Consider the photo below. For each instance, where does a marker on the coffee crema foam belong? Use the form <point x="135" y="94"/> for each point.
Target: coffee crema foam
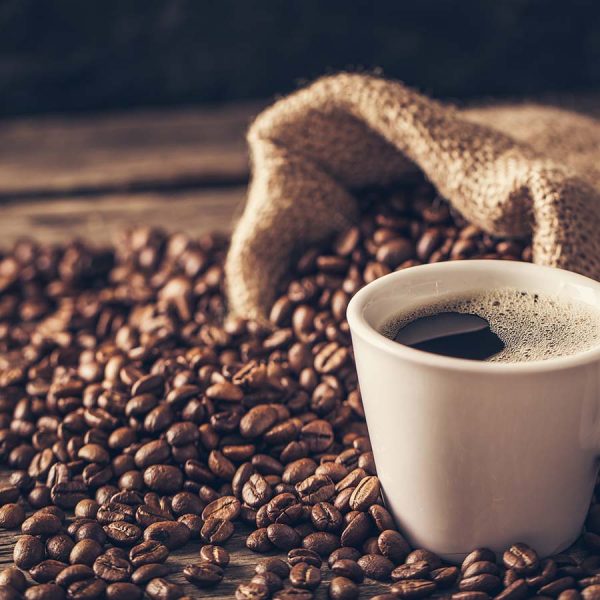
<point x="533" y="327"/>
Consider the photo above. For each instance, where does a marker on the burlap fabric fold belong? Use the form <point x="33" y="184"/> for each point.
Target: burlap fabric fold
<point x="514" y="170"/>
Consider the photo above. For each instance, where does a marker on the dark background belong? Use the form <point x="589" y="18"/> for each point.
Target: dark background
<point x="80" y="55"/>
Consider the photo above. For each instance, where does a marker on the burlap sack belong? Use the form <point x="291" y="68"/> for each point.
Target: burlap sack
<point x="512" y="170"/>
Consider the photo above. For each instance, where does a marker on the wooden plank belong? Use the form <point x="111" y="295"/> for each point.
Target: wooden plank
<point x="98" y="219"/>
<point x="124" y="150"/>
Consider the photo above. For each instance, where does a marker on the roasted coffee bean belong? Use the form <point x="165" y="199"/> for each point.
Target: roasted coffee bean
<point x="305" y="576"/>
<point x="74" y="573"/>
<point x="298" y="555"/>
<point x="150" y="551"/>
<point x="344" y="553"/>
<point x="252" y="591"/>
<point x="393" y="546"/>
<point x="478" y="555"/>
<point x="283" y="536"/>
<point x="413" y="588"/>
<point x="341" y="588"/>
<point x="111" y="568"/>
<point x="517" y="590"/>
<point x="161" y="589"/>
<point x="9" y="593"/>
<point x="11" y="516"/>
<point x="545" y="574"/>
<point x="14" y="578"/>
<point x="85" y="552"/>
<point x="470" y="596"/>
<point x="41" y="524"/>
<point x="46" y="571"/>
<point x="45" y="591"/>
<point x="215" y="554"/>
<point x="271" y="581"/>
<point x="203" y="574"/>
<point x="483" y="567"/>
<point x="480" y="583"/>
<point x="256" y="491"/>
<point x="216" y="531"/>
<point x="326" y="517"/>
<point x="59" y="547"/>
<point x="274" y="565"/>
<point x="163" y="479"/>
<point x="347" y="568"/>
<point x="321" y="542"/>
<point x="357" y="530"/>
<point x="445" y="577"/>
<point x="521" y="558"/>
<point x="316" y="488"/>
<point x="365" y="494"/>
<point x="258" y="541"/>
<point x="226" y="507"/>
<point x="123" y="591"/>
<point x="123" y="533"/>
<point x="376" y="566"/>
<point x="433" y="560"/>
<point x="591" y="593"/>
<point x="145" y="573"/>
<point x="171" y="534"/>
<point x="28" y="551"/>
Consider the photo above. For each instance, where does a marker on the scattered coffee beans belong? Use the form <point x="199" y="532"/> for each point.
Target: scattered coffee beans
<point x="128" y="399"/>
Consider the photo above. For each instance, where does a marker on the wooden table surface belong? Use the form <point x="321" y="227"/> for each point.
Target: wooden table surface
<point x="92" y="176"/>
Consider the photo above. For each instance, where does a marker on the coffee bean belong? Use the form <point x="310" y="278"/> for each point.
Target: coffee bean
<point x="591" y="593"/>
<point x="298" y="555"/>
<point x="347" y="568"/>
<point x="521" y="558"/>
<point x="226" y="507"/>
<point x="11" y="516"/>
<point x="46" y="571"/>
<point x="317" y="435"/>
<point x="258" y="541"/>
<point x="283" y="536"/>
<point x="433" y="560"/>
<point x="555" y="588"/>
<point x="478" y="555"/>
<point x="252" y="591"/>
<point x="161" y="589"/>
<point x="293" y="594"/>
<point x="41" y="524"/>
<point x="123" y="591"/>
<point x="163" y="479"/>
<point x="365" y="494"/>
<point x="257" y="421"/>
<point x="357" y="531"/>
<point x="413" y="588"/>
<point x="517" y="590"/>
<point x="303" y="575"/>
<point x="256" y="491"/>
<point x="45" y="591"/>
<point x="376" y="566"/>
<point x="171" y="534"/>
<point x="28" y="551"/>
<point x="14" y="578"/>
<point x="274" y="565"/>
<point x="74" y="573"/>
<point x="203" y="574"/>
<point x="316" y="488"/>
<point x="270" y="580"/>
<point x="321" y="542"/>
<point x="344" y="553"/>
<point x="59" y="547"/>
<point x="393" y="546"/>
<point x="123" y="533"/>
<point x="325" y="517"/>
<point x="480" y="583"/>
<point x="111" y="568"/>
<point x="342" y="588"/>
<point x="216" y="531"/>
<point x="145" y="573"/>
<point x="215" y="554"/>
<point x="85" y="552"/>
<point x="470" y="596"/>
<point x="149" y="551"/>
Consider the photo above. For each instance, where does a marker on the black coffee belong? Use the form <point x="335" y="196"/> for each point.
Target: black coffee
<point x="460" y="335"/>
<point x="502" y="325"/>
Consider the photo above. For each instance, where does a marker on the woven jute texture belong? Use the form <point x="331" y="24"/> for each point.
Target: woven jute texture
<point x="518" y="170"/>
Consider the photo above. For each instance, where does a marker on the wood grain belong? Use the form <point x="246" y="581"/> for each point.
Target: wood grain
<point x="53" y="155"/>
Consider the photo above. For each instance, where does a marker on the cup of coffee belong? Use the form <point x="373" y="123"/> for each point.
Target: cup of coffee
<point x="481" y="387"/>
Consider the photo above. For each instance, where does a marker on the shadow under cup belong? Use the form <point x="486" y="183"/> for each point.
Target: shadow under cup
<point x="478" y="454"/>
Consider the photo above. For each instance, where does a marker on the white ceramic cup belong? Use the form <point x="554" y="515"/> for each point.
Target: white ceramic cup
<point x="478" y="454"/>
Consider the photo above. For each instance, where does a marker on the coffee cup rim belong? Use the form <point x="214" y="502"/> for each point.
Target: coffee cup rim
<point x="359" y="326"/>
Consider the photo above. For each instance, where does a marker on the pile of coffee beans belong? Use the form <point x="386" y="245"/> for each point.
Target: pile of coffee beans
<point x="136" y="418"/>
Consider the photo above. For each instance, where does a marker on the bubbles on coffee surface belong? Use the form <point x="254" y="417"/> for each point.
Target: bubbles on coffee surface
<point x="501" y="325"/>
